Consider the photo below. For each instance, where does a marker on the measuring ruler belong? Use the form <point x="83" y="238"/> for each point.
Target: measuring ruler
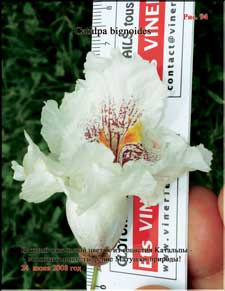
<point x="170" y="46"/>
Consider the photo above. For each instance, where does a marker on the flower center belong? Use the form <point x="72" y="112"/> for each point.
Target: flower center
<point x="131" y="136"/>
<point x="119" y="129"/>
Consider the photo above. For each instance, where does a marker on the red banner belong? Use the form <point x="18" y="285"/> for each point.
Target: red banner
<point x="152" y="17"/>
<point x="145" y="235"/>
<point x="146" y="219"/>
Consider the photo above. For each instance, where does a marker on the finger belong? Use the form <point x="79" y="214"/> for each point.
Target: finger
<point x="221" y="203"/>
<point x="205" y="241"/>
<point x="205" y="234"/>
<point x="214" y="281"/>
<point x="152" y="287"/>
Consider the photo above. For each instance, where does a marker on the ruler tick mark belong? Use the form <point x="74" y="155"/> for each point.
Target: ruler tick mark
<point x="107" y="8"/>
<point x="99" y="26"/>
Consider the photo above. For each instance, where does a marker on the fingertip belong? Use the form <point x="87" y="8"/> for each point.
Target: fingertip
<point x="199" y="190"/>
<point x="221" y="204"/>
<point x="205" y="233"/>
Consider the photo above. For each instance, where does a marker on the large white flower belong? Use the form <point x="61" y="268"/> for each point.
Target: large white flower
<point x="106" y="143"/>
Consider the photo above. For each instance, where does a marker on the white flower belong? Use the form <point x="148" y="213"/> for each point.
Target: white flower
<point x="106" y="143"/>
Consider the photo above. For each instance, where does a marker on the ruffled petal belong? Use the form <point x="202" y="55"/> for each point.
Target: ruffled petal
<point x="95" y="63"/>
<point x="61" y="125"/>
<point x="198" y="158"/>
<point x="115" y="80"/>
<point x="39" y="179"/>
<point x="32" y="156"/>
<point x="40" y="184"/>
<point x="52" y="126"/>
<point x="120" y="79"/>
<point x="176" y="156"/>
<point x="136" y="179"/>
<point x="19" y="174"/>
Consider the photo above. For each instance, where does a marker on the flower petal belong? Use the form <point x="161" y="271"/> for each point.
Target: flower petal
<point x="91" y="174"/>
<point x="176" y="156"/>
<point x="39" y="179"/>
<point x="120" y="79"/>
<point x="19" y="174"/>
<point x="95" y="63"/>
<point x="114" y="79"/>
<point x="101" y="225"/>
<point x="40" y="184"/>
<point x="136" y="179"/>
<point x="198" y="158"/>
<point x="33" y="154"/>
<point x="52" y="126"/>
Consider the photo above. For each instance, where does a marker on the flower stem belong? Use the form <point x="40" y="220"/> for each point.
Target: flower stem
<point x="94" y="278"/>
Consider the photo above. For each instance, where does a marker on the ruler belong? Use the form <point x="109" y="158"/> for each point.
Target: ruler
<point x="170" y="46"/>
<point x="101" y="21"/>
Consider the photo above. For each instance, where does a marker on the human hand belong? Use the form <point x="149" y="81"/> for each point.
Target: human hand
<point x="205" y="240"/>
